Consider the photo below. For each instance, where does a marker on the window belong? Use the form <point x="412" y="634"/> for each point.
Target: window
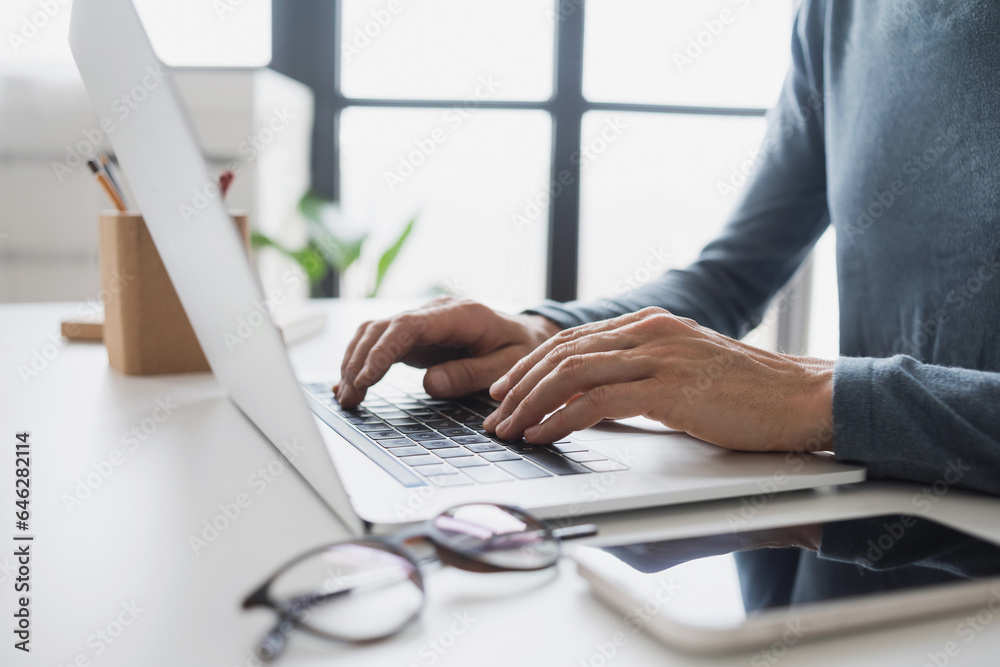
<point x="547" y="153"/>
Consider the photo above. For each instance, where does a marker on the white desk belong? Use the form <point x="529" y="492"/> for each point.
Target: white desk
<point x="129" y="541"/>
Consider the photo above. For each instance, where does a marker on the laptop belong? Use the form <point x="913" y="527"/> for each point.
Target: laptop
<point x="402" y="456"/>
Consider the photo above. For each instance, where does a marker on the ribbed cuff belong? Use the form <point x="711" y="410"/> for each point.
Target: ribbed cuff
<point x="853" y="416"/>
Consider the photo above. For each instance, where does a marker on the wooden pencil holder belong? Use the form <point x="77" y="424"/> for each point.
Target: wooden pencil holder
<point x="146" y="330"/>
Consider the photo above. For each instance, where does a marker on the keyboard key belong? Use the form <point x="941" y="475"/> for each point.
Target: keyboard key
<point x="319" y="387"/>
<point x="389" y="414"/>
<point x="487" y="475"/>
<point x="456" y="431"/>
<point x="484" y="447"/>
<point x="383" y="435"/>
<point x="370" y="419"/>
<point x="426" y="435"/>
<point x="456" y="479"/>
<point x="437" y="469"/>
<point x="438" y="444"/>
<point x="475" y="425"/>
<point x="423" y="460"/>
<point x="403" y="421"/>
<point x="567" y="447"/>
<point x="438" y="424"/>
<point x="586" y="456"/>
<point x="556" y="463"/>
<point x="422" y="414"/>
<point x="467" y="461"/>
<point x="521" y="469"/>
<point x="472" y="440"/>
<point x="457" y="414"/>
<point x="477" y="405"/>
<point x="451" y="452"/>
<point x="395" y="442"/>
<point x="605" y="466"/>
<point x="414" y="450"/>
<point x="413" y="428"/>
<point x="500" y="456"/>
<point x="378" y="426"/>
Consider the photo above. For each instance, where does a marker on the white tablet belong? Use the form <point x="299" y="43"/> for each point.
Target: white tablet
<point x="772" y="589"/>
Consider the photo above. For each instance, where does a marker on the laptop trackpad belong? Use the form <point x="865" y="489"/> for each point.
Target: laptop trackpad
<point x="623" y="428"/>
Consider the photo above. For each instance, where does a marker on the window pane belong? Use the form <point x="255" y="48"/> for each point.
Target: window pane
<point x="439" y="49"/>
<point x="651" y="197"/>
<point x="730" y="53"/>
<point x="824" y="314"/>
<point x="465" y="173"/>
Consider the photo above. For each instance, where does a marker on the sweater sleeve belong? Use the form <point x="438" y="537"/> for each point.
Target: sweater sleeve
<point x="777" y="219"/>
<point x="919" y="422"/>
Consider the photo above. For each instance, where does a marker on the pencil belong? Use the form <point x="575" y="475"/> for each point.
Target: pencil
<point x="109" y="169"/>
<point x="106" y="184"/>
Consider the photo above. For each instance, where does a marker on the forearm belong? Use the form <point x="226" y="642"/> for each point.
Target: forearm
<point x="919" y="422"/>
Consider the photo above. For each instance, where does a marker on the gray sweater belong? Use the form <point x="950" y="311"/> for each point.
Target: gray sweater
<point x="888" y="127"/>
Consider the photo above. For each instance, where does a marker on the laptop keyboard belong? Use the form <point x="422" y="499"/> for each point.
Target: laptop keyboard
<point x="444" y="443"/>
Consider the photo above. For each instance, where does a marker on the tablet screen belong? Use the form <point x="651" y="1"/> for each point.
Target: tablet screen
<point x="719" y="581"/>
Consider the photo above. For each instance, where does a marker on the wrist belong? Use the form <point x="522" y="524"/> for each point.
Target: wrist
<point x="541" y="327"/>
<point x="817" y="408"/>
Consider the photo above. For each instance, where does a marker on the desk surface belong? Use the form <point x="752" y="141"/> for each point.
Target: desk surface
<point x="116" y="580"/>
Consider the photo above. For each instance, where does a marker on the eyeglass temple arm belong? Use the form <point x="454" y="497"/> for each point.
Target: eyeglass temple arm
<point x="575" y="532"/>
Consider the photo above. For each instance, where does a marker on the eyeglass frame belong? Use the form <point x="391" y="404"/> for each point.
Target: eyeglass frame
<point x="396" y="544"/>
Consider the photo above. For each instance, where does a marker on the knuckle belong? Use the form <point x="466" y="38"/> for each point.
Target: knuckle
<point x="572" y="365"/>
<point x="598" y="395"/>
<point x="563" y="350"/>
<point x="652" y="311"/>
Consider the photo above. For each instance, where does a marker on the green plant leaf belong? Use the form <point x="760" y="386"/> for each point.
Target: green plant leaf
<point x="308" y="258"/>
<point x="389" y="256"/>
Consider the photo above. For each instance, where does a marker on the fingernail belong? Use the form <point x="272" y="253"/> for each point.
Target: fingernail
<point x="439" y="382"/>
<point x="498" y="387"/>
<point x="533" y="431"/>
<point x="490" y="420"/>
<point x="504" y="424"/>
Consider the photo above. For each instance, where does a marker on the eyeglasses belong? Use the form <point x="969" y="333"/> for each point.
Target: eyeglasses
<point x="369" y="589"/>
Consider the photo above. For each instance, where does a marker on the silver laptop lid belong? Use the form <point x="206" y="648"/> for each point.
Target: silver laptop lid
<point x="140" y="112"/>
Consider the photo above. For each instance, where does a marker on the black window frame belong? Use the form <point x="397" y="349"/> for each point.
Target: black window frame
<point x="306" y="46"/>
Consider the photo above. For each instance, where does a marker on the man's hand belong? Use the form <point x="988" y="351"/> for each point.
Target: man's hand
<point x="671" y="370"/>
<point x="465" y="345"/>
